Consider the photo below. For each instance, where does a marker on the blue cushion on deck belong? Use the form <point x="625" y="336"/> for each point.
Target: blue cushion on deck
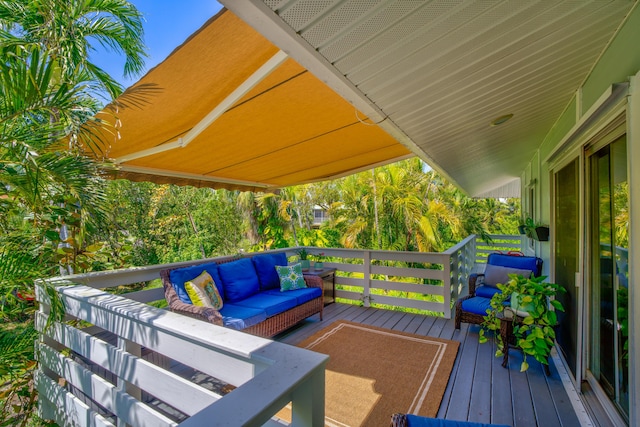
<point x="270" y="304"/>
<point x="417" y="421"/>
<point x="265" y="265"/>
<point x="477" y="305"/>
<point x="238" y="317"/>
<point x="487" y="291"/>
<point x="181" y="275"/>
<point x="301" y="295"/>
<point x="239" y="279"/>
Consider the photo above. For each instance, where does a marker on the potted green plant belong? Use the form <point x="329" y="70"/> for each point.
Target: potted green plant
<point x="534" y="230"/>
<point x="532" y="311"/>
<point x="304" y="259"/>
<point x="319" y="265"/>
<point x="525" y="226"/>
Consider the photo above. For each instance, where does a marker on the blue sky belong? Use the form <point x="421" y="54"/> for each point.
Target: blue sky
<point x="167" y="23"/>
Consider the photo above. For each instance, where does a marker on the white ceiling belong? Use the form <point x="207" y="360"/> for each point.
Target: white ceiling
<point x="438" y="72"/>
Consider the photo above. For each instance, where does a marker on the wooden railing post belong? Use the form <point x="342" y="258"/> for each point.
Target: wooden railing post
<point x="366" y="289"/>
<point x="447" y="286"/>
<point x="454" y="287"/>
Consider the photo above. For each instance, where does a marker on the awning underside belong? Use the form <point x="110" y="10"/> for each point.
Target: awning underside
<point x="232" y="111"/>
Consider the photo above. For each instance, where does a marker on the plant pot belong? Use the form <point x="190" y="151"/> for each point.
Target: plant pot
<point x="521" y="229"/>
<point x="542" y="234"/>
<point x="319" y="265"/>
<point x="305" y="264"/>
<point x="518" y="307"/>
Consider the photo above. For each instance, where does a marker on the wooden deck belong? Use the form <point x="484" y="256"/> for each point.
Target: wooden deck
<point x="479" y="388"/>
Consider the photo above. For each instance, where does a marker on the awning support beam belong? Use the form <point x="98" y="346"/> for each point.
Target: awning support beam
<point x="260" y="74"/>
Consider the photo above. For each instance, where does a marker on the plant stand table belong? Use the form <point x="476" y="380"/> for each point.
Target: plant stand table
<point x="508" y="339"/>
<point x="328" y="276"/>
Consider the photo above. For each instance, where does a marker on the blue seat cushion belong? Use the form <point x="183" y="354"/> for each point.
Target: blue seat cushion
<point x="181" y="275"/>
<point x="239" y="279"/>
<point x="265" y="265"/>
<point x="239" y="317"/>
<point x="417" y="421"/>
<point x="301" y="295"/>
<point x="487" y="291"/>
<point x="477" y="305"/>
<point x="270" y="304"/>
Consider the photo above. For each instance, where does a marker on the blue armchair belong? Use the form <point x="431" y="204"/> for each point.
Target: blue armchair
<point x="473" y="308"/>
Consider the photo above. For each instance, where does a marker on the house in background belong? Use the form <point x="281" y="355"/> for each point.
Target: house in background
<point x="537" y="99"/>
<point x="320" y="216"/>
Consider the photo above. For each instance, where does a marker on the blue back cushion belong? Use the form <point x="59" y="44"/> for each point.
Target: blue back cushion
<point x="521" y="262"/>
<point x="181" y="275"/>
<point x="265" y="265"/>
<point x="487" y="291"/>
<point x="239" y="279"/>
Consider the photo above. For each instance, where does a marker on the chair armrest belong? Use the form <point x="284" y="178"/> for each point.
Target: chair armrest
<point x="207" y="314"/>
<point x="475" y="280"/>
<point x="313" y="281"/>
<point x="399" y="420"/>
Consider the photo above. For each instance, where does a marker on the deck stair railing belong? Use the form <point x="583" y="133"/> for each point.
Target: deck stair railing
<point x="116" y="360"/>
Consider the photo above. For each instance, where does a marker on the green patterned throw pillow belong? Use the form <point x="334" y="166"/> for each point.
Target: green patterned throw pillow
<point x="203" y="291"/>
<point x="290" y="277"/>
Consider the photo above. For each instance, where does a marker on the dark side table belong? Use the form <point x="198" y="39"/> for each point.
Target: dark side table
<point x="328" y="276"/>
<point x="506" y="333"/>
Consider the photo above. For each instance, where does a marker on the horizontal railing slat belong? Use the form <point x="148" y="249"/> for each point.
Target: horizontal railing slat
<point x="64" y="407"/>
<point x="166" y="332"/>
<point x="153" y="379"/>
<point x="408" y="287"/>
<point x="420" y="273"/>
<point x="409" y="303"/>
<point x="124" y="406"/>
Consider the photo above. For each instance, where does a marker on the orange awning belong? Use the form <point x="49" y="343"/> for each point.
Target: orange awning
<point x="233" y="111"/>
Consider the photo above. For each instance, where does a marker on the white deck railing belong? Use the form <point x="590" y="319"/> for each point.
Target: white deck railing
<point x="428" y="281"/>
<point x="114" y="364"/>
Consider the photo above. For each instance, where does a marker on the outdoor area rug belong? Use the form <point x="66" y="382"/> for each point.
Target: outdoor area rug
<point x="373" y="373"/>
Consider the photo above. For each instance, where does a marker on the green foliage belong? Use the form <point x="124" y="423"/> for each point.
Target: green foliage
<point x="17" y="395"/>
<point x="534" y="334"/>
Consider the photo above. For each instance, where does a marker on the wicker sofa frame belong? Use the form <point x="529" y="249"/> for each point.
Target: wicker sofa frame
<point x="268" y="328"/>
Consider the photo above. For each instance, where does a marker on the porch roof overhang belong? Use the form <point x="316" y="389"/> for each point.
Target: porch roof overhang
<point x="363" y="84"/>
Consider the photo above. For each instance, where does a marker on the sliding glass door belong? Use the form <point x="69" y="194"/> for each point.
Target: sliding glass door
<point x="566" y="218"/>
<point x="608" y="280"/>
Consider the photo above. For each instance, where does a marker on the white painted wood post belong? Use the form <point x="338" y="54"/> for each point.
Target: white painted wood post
<point x="454" y="263"/>
<point x="307" y="405"/>
<point x="366" y="282"/>
<point x="447" y="282"/>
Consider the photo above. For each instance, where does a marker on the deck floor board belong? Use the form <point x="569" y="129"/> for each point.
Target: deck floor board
<point x="479" y="389"/>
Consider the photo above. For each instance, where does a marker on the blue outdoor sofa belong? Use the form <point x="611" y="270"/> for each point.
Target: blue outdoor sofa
<point x="250" y="291"/>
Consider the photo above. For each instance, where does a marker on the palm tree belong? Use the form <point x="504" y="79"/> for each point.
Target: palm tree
<point x="66" y="29"/>
<point x="47" y="182"/>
